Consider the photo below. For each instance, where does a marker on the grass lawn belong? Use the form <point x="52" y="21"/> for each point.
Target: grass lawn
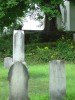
<point x="38" y="82"/>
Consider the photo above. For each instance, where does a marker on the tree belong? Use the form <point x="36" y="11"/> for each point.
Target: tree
<point x="10" y="10"/>
<point x="51" y="10"/>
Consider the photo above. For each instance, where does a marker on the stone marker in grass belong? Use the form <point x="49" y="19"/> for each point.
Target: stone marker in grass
<point x="18" y="82"/>
<point x="18" y="72"/>
<point x="8" y="62"/>
<point x="57" y="80"/>
<point x="18" y="49"/>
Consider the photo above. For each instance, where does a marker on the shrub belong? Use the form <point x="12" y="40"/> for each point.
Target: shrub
<point x="62" y="49"/>
<point x="5" y="46"/>
<point x="65" y="49"/>
<point x="44" y="53"/>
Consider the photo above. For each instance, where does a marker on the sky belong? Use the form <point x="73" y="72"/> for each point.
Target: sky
<point x="31" y="24"/>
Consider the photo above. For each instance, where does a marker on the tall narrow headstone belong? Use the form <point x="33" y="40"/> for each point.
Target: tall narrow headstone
<point x="57" y="81"/>
<point x="18" y="46"/>
<point x="18" y="73"/>
<point x="18" y="49"/>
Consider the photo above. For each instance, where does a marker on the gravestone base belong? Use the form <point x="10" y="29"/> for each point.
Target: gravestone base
<point x="18" y="82"/>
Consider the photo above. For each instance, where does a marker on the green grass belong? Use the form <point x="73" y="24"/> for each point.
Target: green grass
<point x="70" y="75"/>
<point x="3" y="83"/>
<point x="39" y="82"/>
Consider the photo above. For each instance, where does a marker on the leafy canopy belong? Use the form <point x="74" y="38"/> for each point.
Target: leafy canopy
<point x="10" y="10"/>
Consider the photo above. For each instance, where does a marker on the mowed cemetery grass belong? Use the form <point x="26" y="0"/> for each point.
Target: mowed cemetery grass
<point x="39" y="81"/>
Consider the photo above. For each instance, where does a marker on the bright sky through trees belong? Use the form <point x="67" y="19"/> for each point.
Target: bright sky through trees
<point x="31" y="24"/>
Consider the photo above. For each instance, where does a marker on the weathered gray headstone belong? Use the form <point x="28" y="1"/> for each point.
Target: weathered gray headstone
<point x="8" y="62"/>
<point x="18" y="46"/>
<point x="18" y="72"/>
<point x="18" y="49"/>
<point x="18" y="82"/>
<point x="57" y="81"/>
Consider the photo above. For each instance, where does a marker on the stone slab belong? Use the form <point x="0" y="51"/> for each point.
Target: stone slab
<point x="8" y="62"/>
<point x="57" y="80"/>
<point x="18" y="46"/>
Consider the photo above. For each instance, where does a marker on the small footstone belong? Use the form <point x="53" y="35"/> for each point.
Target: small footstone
<point x="8" y="62"/>
<point x="57" y="80"/>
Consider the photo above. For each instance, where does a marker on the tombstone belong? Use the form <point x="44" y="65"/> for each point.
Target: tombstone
<point x="18" y="72"/>
<point x="66" y="21"/>
<point x="57" y="80"/>
<point x="18" y="82"/>
<point x="8" y="62"/>
<point x="18" y="49"/>
<point x="18" y="46"/>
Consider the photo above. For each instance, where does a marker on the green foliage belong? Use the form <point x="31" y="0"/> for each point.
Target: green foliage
<point x="10" y="10"/>
<point x="66" y="49"/>
<point x="63" y="49"/>
<point x="5" y="46"/>
<point x="50" y="7"/>
<point x="41" y="52"/>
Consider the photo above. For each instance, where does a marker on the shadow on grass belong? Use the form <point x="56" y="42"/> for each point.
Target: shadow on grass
<point x="41" y="75"/>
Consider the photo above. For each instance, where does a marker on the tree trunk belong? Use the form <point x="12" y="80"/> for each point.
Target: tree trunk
<point x="50" y="25"/>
